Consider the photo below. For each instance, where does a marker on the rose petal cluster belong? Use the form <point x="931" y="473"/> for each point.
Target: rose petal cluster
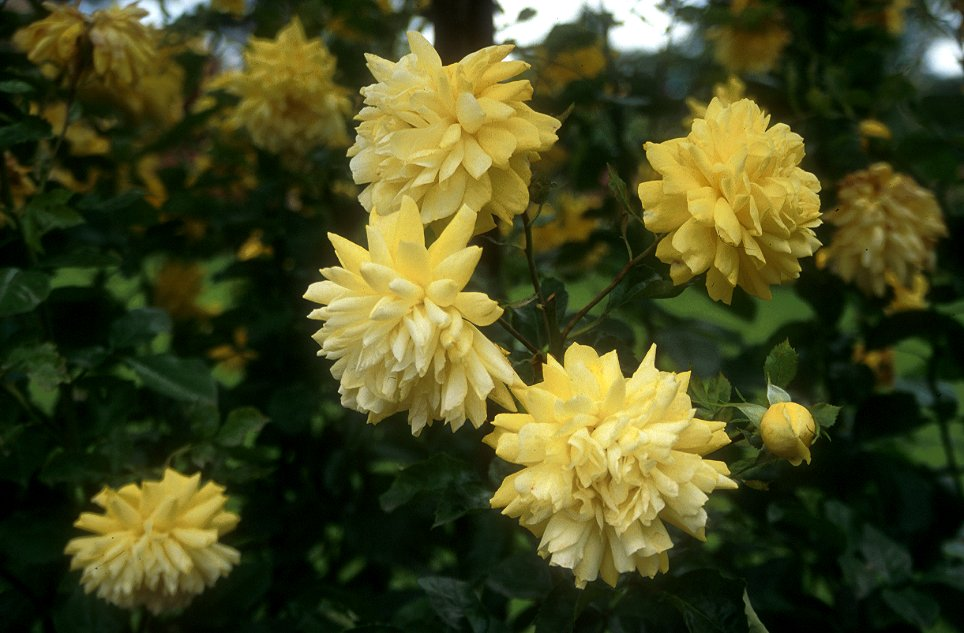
<point x="121" y="48"/>
<point x="886" y="224"/>
<point x="289" y="102"/>
<point x="448" y="136"/>
<point x="401" y="329"/>
<point x="733" y="201"/>
<point x="608" y="462"/>
<point x="156" y="544"/>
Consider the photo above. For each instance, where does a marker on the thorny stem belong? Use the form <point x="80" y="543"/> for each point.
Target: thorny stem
<point x="553" y="336"/>
<point x="609" y="288"/>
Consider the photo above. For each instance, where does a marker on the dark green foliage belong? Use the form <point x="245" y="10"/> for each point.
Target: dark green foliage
<point x="155" y="318"/>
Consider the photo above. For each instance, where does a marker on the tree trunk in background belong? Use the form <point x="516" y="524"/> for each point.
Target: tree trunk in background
<point x="462" y="26"/>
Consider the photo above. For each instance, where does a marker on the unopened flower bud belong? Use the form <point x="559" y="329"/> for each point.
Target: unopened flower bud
<point x="788" y="430"/>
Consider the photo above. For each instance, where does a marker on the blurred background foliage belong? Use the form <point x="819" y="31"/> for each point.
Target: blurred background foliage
<point x="152" y="265"/>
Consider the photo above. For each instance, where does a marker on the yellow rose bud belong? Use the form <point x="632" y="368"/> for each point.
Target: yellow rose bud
<point x="788" y="430"/>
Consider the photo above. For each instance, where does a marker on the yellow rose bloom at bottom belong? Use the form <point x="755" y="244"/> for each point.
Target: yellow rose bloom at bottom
<point x="607" y="462"/>
<point x="156" y="545"/>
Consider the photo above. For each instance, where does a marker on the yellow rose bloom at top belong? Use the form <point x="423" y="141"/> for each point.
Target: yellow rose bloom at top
<point x="733" y="202"/>
<point x="750" y="45"/>
<point x="289" y="101"/>
<point x="402" y="331"/>
<point x="122" y="48"/>
<point x="607" y="462"/>
<point x="54" y="42"/>
<point x="156" y="545"/>
<point x="886" y="223"/>
<point x="448" y="136"/>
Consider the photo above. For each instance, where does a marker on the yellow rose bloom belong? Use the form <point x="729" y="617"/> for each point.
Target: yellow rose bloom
<point x="53" y="43"/>
<point x="156" y="545"/>
<point x="448" y="136"/>
<point x="733" y="202"/>
<point x="289" y="103"/>
<point x="788" y="430"/>
<point x="122" y="48"/>
<point x="402" y="331"/>
<point x="755" y="47"/>
<point x="886" y="223"/>
<point x="607" y="462"/>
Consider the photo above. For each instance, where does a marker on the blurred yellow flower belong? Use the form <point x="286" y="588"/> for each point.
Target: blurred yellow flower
<point x="564" y="221"/>
<point x="232" y="358"/>
<point x="159" y="96"/>
<point x="177" y="289"/>
<point x="607" y="462"/>
<point x="885" y="14"/>
<point x="907" y="298"/>
<point x="22" y="186"/>
<point x="448" y="136"/>
<point x="156" y="545"/>
<point x="254" y="247"/>
<point x="82" y="138"/>
<point x="879" y="361"/>
<point x="872" y="128"/>
<point x="728" y="93"/>
<point x="556" y="71"/>
<point x="788" y="430"/>
<point x="289" y="101"/>
<point x="754" y="39"/>
<point x="54" y="42"/>
<point x="121" y="47"/>
<point x="234" y="7"/>
<point x="886" y="223"/>
<point x="733" y="202"/>
<point x="402" y="331"/>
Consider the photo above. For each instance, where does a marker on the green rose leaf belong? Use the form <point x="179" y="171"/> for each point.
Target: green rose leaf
<point x="781" y="364"/>
<point x="46" y="212"/>
<point x="241" y="427"/>
<point x="27" y="130"/>
<point x="21" y="290"/>
<point x="188" y="380"/>
<point x="709" y="603"/>
<point x="453" y="601"/>
<point x="139" y="326"/>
